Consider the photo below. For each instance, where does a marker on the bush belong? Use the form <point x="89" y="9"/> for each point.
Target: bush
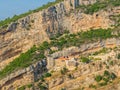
<point x="104" y="50"/>
<point x="85" y="60"/>
<point x="32" y="21"/>
<point x="66" y="31"/>
<point x="107" y="66"/>
<point x="29" y="85"/>
<point x="42" y="87"/>
<point x="103" y="83"/>
<point x="113" y="76"/>
<point x="98" y="78"/>
<point x="92" y="86"/>
<point x="70" y="76"/>
<point x="118" y="56"/>
<point x="106" y="73"/>
<point x="111" y="63"/>
<point x="42" y="78"/>
<point x="64" y="71"/>
<point x="106" y="79"/>
<point x="21" y="88"/>
<point x="47" y="75"/>
<point x="63" y="89"/>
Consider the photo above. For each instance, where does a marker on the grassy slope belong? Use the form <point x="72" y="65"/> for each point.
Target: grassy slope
<point x="90" y="9"/>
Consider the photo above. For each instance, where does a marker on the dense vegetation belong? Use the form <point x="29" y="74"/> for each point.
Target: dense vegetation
<point x="106" y="78"/>
<point x="82" y="37"/>
<point x="7" y="21"/>
<point x="85" y="60"/>
<point x="118" y="56"/>
<point x="67" y="40"/>
<point x="104" y="50"/>
<point x="103" y="80"/>
<point x="99" y="5"/>
<point x="25" y="86"/>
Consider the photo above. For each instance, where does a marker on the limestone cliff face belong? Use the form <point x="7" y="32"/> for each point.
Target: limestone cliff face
<point x="24" y="76"/>
<point x="40" y="26"/>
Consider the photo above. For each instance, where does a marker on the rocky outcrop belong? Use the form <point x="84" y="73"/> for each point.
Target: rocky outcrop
<point x="84" y="76"/>
<point x="27" y="75"/>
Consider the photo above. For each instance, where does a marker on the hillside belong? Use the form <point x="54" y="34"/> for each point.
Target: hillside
<point x="63" y="45"/>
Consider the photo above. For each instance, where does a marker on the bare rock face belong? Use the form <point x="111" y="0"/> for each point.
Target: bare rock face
<point x="24" y="76"/>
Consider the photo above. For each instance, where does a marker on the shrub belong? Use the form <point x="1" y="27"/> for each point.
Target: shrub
<point x="111" y="62"/>
<point x="63" y="89"/>
<point x="29" y="85"/>
<point x="21" y="88"/>
<point x="66" y="32"/>
<point x="70" y="76"/>
<point x="104" y="50"/>
<point x="42" y="78"/>
<point x="107" y="66"/>
<point x="92" y="86"/>
<point x="64" y="70"/>
<point x="42" y="87"/>
<point x="106" y="73"/>
<point x="85" y="60"/>
<point x="103" y="83"/>
<point x="113" y="76"/>
<point x="106" y="79"/>
<point x="32" y="21"/>
<point x="118" y="56"/>
<point x="47" y="75"/>
<point x="98" y="78"/>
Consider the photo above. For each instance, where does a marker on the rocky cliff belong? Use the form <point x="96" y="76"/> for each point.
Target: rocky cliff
<point x="24" y="76"/>
<point x="40" y="26"/>
<point x="35" y="71"/>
